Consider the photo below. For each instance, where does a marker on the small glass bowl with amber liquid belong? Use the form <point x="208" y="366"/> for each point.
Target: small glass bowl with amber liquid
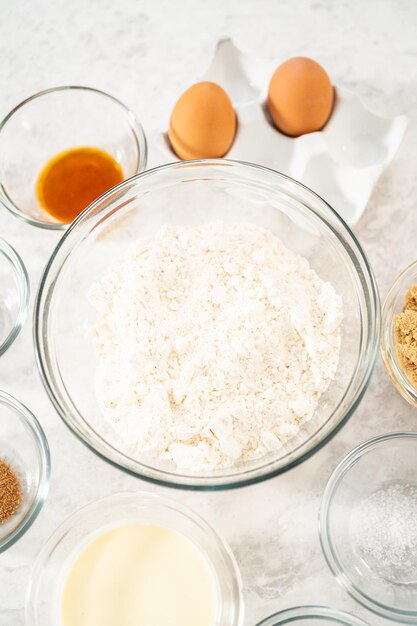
<point x="63" y="148"/>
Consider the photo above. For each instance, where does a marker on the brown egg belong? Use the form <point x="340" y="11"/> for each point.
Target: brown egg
<point x="203" y="122"/>
<point x="300" y="96"/>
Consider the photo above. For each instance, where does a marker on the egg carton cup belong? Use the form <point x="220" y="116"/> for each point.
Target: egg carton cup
<point x="341" y="163"/>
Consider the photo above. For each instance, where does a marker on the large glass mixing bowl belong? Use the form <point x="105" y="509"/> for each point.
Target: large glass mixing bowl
<point x="192" y="193"/>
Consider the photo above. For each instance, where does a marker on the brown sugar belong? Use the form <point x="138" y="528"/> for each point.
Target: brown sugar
<point x="411" y="299"/>
<point x="405" y="326"/>
<point x="10" y="491"/>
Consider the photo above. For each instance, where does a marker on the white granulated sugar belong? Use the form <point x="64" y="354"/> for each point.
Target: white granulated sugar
<point x="384" y="530"/>
<point x="215" y="344"/>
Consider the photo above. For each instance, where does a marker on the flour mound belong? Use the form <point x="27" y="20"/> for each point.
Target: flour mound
<point x="214" y="343"/>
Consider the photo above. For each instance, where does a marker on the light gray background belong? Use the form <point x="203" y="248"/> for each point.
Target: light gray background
<point x="146" y="53"/>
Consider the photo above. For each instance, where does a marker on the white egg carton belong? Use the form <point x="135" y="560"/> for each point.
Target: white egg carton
<point x="341" y="163"/>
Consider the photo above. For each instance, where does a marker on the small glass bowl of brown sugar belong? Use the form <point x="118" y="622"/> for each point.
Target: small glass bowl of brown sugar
<point x="399" y="333"/>
<point x="62" y="148"/>
<point x="24" y="469"/>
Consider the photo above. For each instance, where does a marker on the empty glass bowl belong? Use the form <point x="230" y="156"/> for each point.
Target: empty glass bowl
<point x="312" y="616"/>
<point x="393" y="305"/>
<point x="48" y="575"/>
<point x="24" y="446"/>
<point x="368" y="525"/>
<point x="55" y="120"/>
<point x="14" y="295"/>
<point x="193" y="193"/>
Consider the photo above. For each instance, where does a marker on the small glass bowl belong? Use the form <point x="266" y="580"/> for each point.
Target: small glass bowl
<point x="14" y="295"/>
<point x="23" y="444"/>
<point x="312" y="616"/>
<point x="48" y="575"/>
<point x="357" y="544"/>
<point x="54" y="120"/>
<point x="393" y="305"/>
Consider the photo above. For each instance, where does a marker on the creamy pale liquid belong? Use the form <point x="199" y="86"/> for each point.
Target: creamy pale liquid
<point x="139" y="575"/>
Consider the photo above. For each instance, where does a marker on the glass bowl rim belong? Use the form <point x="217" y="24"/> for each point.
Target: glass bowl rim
<point x="41" y="442"/>
<point x="388" y="352"/>
<point x="337" y="569"/>
<point x="152" y="499"/>
<point x="293" y="614"/>
<point x="135" y="126"/>
<point x="194" y="483"/>
<point x="19" y="269"/>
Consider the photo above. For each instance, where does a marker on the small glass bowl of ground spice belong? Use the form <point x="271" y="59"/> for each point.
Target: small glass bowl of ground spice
<point x="24" y="469"/>
<point x="399" y="333"/>
<point x="62" y="148"/>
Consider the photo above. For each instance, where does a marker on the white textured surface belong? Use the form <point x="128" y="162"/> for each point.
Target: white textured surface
<point x="146" y="53"/>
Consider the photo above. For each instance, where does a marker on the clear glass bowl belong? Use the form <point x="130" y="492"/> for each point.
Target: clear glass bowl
<point x="48" y="575"/>
<point x="192" y="193"/>
<point x="357" y="542"/>
<point x="312" y="616"/>
<point x="393" y="305"/>
<point x="55" y="120"/>
<point x="14" y="295"/>
<point x="23" y="444"/>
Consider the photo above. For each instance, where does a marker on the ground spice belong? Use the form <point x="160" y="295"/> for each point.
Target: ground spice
<point x="405" y="325"/>
<point x="10" y="491"/>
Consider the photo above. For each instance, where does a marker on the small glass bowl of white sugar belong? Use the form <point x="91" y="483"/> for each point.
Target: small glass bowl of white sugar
<point x="368" y="525"/>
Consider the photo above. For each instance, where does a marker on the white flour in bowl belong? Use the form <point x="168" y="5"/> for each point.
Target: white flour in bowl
<point x="215" y="344"/>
